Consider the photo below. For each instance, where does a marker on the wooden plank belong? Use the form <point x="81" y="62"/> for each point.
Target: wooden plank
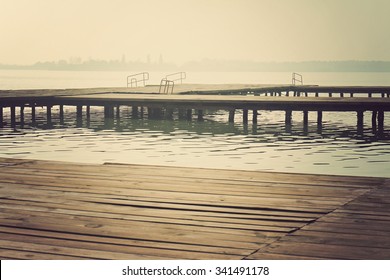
<point x="111" y="248"/>
<point x="202" y="173"/>
<point x="328" y="251"/>
<point x="167" y="182"/>
<point x="355" y="239"/>
<point x="217" y="222"/>
<point x="215" y="249"/>
<point x="277" y="256"/>
<point x="73" y="252"/>
<point x="283" y="203"/>
<point x="141" y="231"/>
<point x="150" y="212"/>
<point x="17" y="254"/>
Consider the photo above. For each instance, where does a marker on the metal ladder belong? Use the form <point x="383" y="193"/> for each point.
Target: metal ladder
<point x="179" y="76"/>
<point x="297" y="78"/>
<point x="132" y="80"/>
<point x="165" y="85"/>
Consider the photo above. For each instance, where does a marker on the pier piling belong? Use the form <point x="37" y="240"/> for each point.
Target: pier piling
<point x="288" y="117"/>
<point x="245" y="116"/>
<point x="254" y="116"/>
<point x="61" y="114"/>
<point x="22" y="116"/>
<point x="200" y="115"/>
<point x="231" y="115"/>
<point x="48" y="115"/>
<point x="1" y="116"/>
<point x="13" y="116"/>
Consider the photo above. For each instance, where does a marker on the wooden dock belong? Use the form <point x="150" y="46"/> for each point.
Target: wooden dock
<point x="194" y="99"/>
<point x="56" y="210"/>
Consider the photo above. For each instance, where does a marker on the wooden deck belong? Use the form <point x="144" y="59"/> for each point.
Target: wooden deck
<point x="56" y="210"/>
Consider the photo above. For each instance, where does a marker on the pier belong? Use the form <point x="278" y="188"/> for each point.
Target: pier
<point x="57" y="210"/>
<point x="192" y="100"/>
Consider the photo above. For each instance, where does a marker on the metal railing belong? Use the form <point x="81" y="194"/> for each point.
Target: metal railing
<point x="165" y="84"/>
<point x="179" y="76"/>
<point x="133" y="80"/>
<point x="297" y="78"/>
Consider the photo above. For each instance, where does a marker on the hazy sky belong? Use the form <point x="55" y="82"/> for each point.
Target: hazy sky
<point x="182" y="30"/>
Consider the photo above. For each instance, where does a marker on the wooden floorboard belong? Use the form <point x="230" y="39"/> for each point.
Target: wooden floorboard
<point x="57" y="210"/>
<point x="357" y="230"/>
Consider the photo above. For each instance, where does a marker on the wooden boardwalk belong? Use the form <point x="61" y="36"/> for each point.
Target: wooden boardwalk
<point x="56" y="210"/>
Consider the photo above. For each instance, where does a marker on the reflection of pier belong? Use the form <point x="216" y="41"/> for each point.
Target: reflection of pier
<point x="192" y="101"/>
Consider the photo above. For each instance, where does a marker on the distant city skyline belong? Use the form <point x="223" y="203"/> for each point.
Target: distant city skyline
<point x="193" y="30"/>
<point x="122" y="64"/>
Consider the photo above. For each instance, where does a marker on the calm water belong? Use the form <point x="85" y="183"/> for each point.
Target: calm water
<point x="336" y="149"/>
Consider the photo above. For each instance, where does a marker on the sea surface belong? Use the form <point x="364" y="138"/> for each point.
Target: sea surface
<point x="337" y="148"/>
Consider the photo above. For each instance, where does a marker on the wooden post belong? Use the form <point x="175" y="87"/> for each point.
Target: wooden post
<point x="319" y="121"/>
<point x="182" y="114"/>
<point x="48" y="114"/>
<point x="254" y="116"/>
<point x="150" y="113"/>
<point x="118" y="112"/>
<point x="79" y="112"/>
<point x="200" y="116"/>
<point x="142" y="112"/>
<point x="13" y="116"/>
<point x="305" y="118"/>
<point x="21" y="115"/>
<point x="108" y="112"/>
<point x="288" y="117"/>
<point x="88" y="113"/>
<point x="79" y="115"/>
<point x="316" y="94"/>
<point x="108" y="116"/>
<point x="373" y="120"/>
<point x="360" y="118"/>
<point x="1" y="116"/>
<point x="231" y="115"/>
<point x="169" y="113"/>
<point x="61" y="114"/>
<point x="319" y="118"/>
<point x="287" y="92"/>
<point x="189" y="114"/>
<point x="134" y="112"/>
<point x="330" y="94"/>
<point x="305" y="122"/>
<point x="245" y="116"/>
<point x="33" y="117"/>
<point x="381" y="120"/>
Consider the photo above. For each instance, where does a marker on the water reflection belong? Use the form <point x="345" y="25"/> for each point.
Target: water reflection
<point x="335" y="147"/>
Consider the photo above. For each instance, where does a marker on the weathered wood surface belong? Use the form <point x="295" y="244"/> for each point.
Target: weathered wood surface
<point x="146" y="96"/>
<point x="55" y="210"/>
<point x="151" y="89"/>
<point x="230" y="102"/>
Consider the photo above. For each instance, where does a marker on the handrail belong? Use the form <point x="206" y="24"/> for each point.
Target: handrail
<point x="165" y="84"/>
<point x="297" y="78"/>
<point x="182" y="76"/>
<point x="133" y="80"/>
